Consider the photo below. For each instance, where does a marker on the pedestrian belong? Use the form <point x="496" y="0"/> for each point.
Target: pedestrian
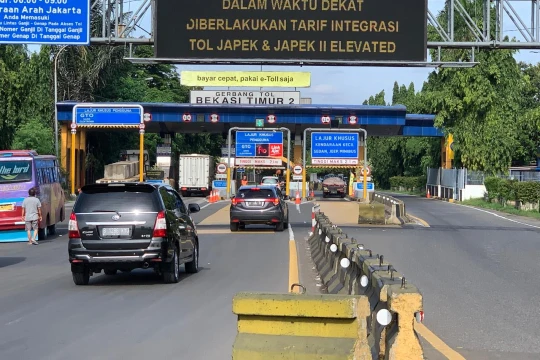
<point x="31" y="215"/>
<point x="244" y="180"/>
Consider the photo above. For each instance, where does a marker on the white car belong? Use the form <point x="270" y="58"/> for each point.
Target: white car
<point x="271" y="180"/>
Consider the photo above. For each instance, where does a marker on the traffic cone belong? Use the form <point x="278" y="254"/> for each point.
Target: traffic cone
<point x="298" y="200"/>
<point x="312" y="194"/>
<point x="428" y="195"/>
<point x="215" y="196"/>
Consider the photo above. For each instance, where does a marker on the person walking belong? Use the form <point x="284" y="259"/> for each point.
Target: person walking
<point x="31" y="215"/>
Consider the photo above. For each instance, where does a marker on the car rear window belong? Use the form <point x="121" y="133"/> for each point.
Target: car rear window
<point x="121" y="199"/>
<point x="269" y="181"/>
<point x="255" y="194"/>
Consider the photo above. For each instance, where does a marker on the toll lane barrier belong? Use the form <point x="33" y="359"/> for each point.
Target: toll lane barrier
<point x="396" y="208"/>
<point x="347" y="267"/>
<point x="301" y="327"/>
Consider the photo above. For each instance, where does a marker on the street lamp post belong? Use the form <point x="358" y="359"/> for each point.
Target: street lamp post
<point x="56" y="99"/>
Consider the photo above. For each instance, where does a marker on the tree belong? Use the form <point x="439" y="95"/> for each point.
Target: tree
<point x="34" y="135"/>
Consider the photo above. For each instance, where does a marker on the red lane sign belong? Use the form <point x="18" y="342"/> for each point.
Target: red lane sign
<point x="325" y="119"/>
<point x="214" y="118"/>
<point x="297" y="170"/>
<point x="221" y="168"/>
<point x="186" y="117"/>
<point x="353" y="119"/>
<point x="271" y="119"/>
<point x="147" y="117"/>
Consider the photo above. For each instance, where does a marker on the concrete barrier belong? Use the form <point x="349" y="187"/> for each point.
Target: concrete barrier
<point x="395" y="207"/>
<point x="301" y="327"/>
<point x="121" y="170"/>
<point x="373" y="213"/>
<point x="347" y="267"/>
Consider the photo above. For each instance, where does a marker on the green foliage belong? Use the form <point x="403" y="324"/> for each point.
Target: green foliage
<point x="503" y="190"/>
<point x="408" y="182"/>
<point x="34" y="135"/>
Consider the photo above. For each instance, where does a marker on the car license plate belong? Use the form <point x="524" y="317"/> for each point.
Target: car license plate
<point x="334" y="192"/>
<point x="6" y="207"/>
<point x="115" y="231"/>
<point x="255" y="203"/>
<point x="194" y="189"/>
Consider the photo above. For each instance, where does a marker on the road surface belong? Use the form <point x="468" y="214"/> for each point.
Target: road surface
<point x="135" y="316"/>
<point x="478" y="272"/>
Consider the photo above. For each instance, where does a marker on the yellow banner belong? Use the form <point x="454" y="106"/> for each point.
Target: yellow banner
<point x="246" y="78"/>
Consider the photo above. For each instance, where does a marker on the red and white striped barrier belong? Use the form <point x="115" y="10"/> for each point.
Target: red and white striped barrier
<point x="315" y="209"/>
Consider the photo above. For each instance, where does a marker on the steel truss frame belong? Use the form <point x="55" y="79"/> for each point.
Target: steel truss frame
<point x="118" y="28"/>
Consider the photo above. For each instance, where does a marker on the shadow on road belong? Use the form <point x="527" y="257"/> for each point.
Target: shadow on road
<point x="135" y="278"/>
<point x="13" y="260"/>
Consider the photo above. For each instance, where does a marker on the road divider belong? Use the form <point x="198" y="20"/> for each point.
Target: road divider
<point x="394" y="207"/>
<point x="301" y="326"/>
<point x="347" y="267"/>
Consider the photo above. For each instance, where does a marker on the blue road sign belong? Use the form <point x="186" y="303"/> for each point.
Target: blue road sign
<point x="334" y="148"/>
<point x="108" y="116"/>
<point x="241" y="170"/>
<point x="370" y="186"/>
<point x="219" y="184"/>
<point x="248" y="141"/>
<point x="52" y="22"/>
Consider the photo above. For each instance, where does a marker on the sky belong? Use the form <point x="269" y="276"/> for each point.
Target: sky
<point x="353" y="85"/>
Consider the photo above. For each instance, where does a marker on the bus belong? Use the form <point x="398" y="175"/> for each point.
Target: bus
<point x="21" y="170"/>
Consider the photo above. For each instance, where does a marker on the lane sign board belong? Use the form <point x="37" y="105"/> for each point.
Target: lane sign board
<point x="297" y="177"/>
<point x="245" y="97"/>
<point x="360" y="186"/>
<point x="259" y="144"/>
<point x="49" y="22"/>
<point x="257" y="162"/>
<point x="100" y="115"/>
<point x="333" y="148"/>
<point x="297" y="170"/>
<point x="221" y="168"/>
<point x="219" y="184"/>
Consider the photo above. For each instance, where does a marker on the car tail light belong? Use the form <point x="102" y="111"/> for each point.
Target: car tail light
<point x="255" y="189"/>
<point x="160" y="228"/>
<point x="275" y="201"/>
<point x="73" y="227"/>
<point x="236" y="201"/>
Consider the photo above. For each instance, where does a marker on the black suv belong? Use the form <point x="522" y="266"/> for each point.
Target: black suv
<point x="125" y="226"/>
<point x="263" y="204"/>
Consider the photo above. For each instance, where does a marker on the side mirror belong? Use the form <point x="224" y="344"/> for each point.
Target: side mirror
<point x="193" y="208"/>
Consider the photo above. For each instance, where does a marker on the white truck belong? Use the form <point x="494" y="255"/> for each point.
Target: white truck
<point x="196" y="174"/>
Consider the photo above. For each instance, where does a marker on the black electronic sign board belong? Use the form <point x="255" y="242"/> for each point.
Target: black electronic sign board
<point x="273" y="30"/>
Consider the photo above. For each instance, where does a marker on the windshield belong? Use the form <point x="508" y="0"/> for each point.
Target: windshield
<point x="255" y="194"/>
<point x="122" y="199"/>
<point x="270" y="181"/>
<point x="12" y="171"/>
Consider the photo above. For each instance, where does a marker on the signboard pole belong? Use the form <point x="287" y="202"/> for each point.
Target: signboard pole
<point x="141" y="156"/>
<point x="73" y="132"/>
<point x="335" y="130"/>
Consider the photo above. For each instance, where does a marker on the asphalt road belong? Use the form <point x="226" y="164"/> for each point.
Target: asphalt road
<point x="478" y="273"/>
<point x="135" y="316"/>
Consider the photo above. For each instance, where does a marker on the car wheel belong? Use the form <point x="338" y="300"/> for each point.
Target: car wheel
<point x="286" y="224"/>
<point x="192" y="267"/>
<point x="110" y="271"/>
<point x="81" y="277"/>
<point x="280" y="226"/>
<point x="43" y="233"/>
<point x="234" y="226"/>
<point x="52" y="229"/>
<point x="171" y="274"/>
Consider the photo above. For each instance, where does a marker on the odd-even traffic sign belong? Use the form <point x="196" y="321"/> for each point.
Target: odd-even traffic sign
<point x="57" y="22"/>
<point x="334" y="148"/>
<point x="115" y="116"/>
<point x="259" y="144"/>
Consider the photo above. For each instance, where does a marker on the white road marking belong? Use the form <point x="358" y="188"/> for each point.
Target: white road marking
<point x="497" y="215"/>
<point x="298" y="208"/>
<point x="291" y="233"/>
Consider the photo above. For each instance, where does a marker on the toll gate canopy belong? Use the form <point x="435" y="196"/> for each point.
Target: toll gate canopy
<point x="210" y="118"/>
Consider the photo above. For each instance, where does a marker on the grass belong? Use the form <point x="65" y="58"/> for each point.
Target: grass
<point x="481" y="203"/>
